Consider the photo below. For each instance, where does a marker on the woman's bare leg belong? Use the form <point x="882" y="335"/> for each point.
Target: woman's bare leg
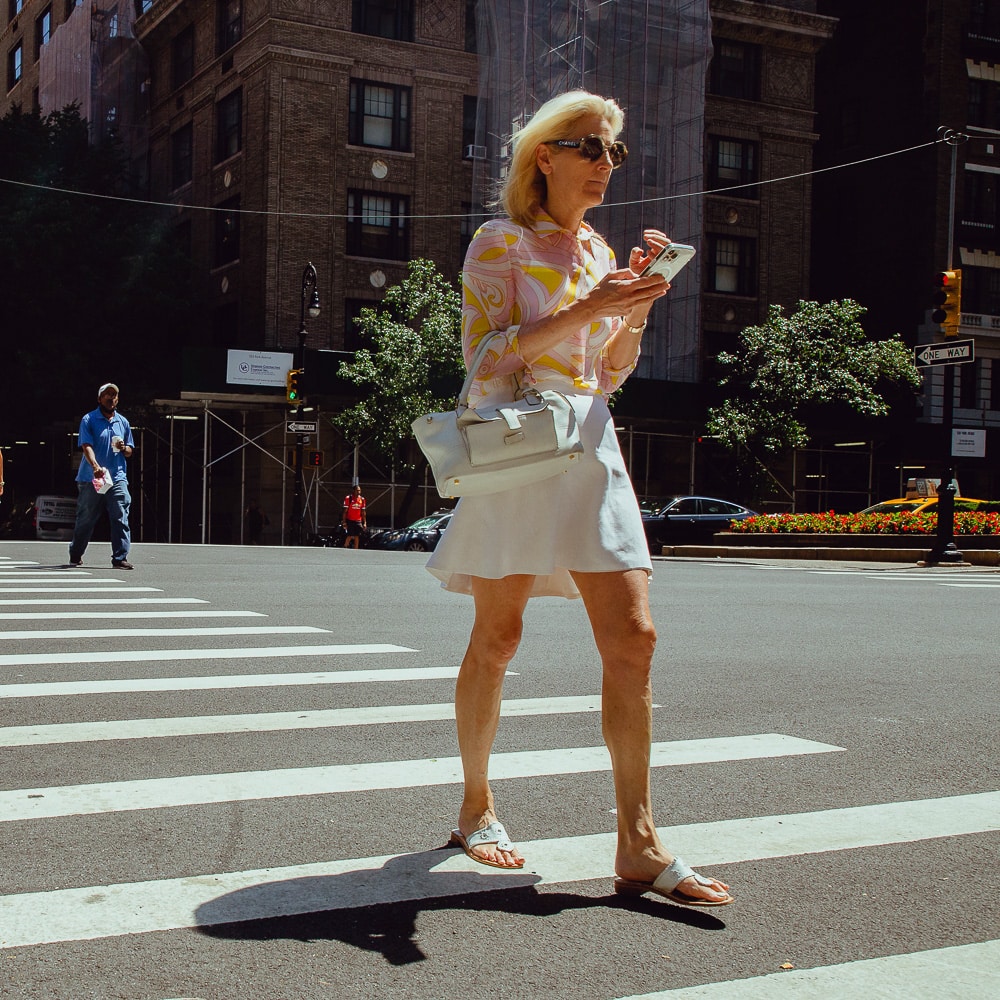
<point x="496" y="634"/>
<point x="618" y="607"/>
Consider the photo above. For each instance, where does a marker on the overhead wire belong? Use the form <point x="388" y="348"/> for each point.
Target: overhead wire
<point x="275" y="213"/>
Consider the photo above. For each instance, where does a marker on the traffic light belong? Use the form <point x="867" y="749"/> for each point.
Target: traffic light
<point x="293" y="385"/>
<point x="947" y="301"/>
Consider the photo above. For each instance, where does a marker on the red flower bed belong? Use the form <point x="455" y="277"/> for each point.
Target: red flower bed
<point x="831" y="523"/>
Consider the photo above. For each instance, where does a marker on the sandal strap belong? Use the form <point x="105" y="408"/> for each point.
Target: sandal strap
<point x="675" y="873"/>
<point x="495" y="833"/>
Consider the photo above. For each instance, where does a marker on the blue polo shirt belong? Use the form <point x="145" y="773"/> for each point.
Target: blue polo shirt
<point x="97" y="431"/>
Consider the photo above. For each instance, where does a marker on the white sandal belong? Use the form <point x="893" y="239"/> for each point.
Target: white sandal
<point x="666" y="883"/>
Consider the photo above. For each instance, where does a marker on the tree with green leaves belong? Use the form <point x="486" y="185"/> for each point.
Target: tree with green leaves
<point x="790" y="367"/>
<point x="415" y="363"/>
<point x="95" y="287"/>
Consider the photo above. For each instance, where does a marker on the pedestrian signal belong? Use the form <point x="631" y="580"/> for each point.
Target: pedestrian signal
<point x="947" y="299"/>
<point x="315" y="459"/>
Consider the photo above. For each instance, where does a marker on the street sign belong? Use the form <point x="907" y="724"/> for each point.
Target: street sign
<point x="957" y="352"/>
<point x="300" y="426"/>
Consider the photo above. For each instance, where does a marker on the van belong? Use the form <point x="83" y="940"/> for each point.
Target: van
<point x="55" y="518"/>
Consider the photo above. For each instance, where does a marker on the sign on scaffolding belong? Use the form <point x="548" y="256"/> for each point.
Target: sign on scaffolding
<point x="257" y="367"/>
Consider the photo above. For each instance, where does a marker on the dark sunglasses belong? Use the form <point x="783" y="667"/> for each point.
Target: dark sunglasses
<point x="593" y="147"/>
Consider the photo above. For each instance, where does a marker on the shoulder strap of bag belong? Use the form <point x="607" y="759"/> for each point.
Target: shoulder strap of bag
<point x="484" y="344"/>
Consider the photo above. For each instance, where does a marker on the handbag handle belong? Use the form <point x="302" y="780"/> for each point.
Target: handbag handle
<point x="463" y="396"/>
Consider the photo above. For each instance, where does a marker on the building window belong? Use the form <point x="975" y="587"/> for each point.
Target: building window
<point x="735" y="70"/>
<point x="731" y="265"/>
<point x="71" y="5"/>
<point x="470" y="26"/>
<point x="380" y="115"/>
<point x="981" y="291"/>
<point x="984" y="16"/>
<point x="230" y="24"/>
<point x="976" y="112"/>
<point x="182" y="57"/>
<point x="15" y="8"/>
<point x="181" y="156"/>
<point x="15" y="65"/>
<point x="968" y="385"/>
<point x="733" y="163"/>
<point x="377" y="225"/>
<point x="979" y="207"/>
<point x="229" y="126"/>
<point x="43" y="31"/>
<point x="384" y="18"/>
<point x="227" y="232"/>
<point x="470" y="115"/>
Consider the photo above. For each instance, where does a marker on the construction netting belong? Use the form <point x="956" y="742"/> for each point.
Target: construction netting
<point x="651" y="57"/>
<point x="93" y="60"/>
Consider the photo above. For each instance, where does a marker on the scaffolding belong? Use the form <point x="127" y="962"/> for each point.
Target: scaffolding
<point x="652" y="58"/>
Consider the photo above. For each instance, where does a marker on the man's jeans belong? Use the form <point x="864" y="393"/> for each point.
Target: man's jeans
<point x="89" y="503"/>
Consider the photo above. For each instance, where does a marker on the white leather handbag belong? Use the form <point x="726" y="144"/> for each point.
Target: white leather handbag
<point x="492" y="448"/>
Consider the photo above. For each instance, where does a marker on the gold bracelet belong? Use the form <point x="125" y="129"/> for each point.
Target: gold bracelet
<point x="636" y="331"/>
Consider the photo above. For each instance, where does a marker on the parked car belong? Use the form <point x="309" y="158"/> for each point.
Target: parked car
<point x="680" y="520"/>
<point x="421" y="536"/>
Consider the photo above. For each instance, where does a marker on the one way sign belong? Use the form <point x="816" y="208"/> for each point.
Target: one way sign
<point x="957" y="352"/>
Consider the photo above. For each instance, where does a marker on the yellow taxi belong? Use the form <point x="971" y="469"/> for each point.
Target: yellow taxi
<point x="928" y="505"/>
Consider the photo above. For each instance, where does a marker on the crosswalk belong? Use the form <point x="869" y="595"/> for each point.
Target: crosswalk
<point x="213" y="898"/>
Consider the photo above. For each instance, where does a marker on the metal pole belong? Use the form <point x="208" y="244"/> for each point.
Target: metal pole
<point x="170" y="485"/>
<point x="945" y="550"/>
<point x="309" y="278"/>
<point x="204" y="479"/>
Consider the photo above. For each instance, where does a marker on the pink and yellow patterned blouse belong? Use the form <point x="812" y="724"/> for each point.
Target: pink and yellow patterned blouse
<point x="514" y="276"/>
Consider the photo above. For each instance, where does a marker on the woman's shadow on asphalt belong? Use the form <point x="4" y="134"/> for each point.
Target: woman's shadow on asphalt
<point x="376" y="909"/>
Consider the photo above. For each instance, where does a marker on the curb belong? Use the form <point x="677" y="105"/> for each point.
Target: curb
<point x="972" y="557"/>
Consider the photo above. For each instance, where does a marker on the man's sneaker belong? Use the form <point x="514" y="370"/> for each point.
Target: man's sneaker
<point x="76" y="562"/>
<point x="121" y="564"/>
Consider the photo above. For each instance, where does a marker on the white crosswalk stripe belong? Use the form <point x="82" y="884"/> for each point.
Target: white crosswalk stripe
<point x="216" y="653"/>
<point x="160" y="793"/>
<point x="962" y="972"/>
<point x="51" y="689"/>
<point x="262" y="722"/>
<point x="211" y="898"/>
<point x="226" y="897"/>
<point x="144" y="633"/>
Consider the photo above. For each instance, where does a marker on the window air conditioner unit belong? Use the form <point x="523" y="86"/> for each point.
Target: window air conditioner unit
<point x="475" y="152"/>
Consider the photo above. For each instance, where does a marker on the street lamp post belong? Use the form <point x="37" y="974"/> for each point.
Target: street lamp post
<point x="309" y="293"/>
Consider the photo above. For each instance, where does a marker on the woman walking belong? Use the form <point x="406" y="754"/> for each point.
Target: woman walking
<point x="571" y="320"/>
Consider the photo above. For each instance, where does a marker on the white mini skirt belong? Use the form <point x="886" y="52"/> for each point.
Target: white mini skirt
<point x="584" y="520"/>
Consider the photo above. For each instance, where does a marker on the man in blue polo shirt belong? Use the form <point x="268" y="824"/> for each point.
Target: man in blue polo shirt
<point x="106" y="441"/>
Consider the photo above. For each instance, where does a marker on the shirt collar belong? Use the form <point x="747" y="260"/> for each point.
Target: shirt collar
<point x="547" y="227"/>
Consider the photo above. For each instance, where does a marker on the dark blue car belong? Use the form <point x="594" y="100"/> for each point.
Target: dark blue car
<point x="681" y="520"/>
<point x="421" y="536"/>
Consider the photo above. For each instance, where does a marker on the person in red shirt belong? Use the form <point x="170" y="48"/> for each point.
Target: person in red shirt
<point x="355" y="518"/>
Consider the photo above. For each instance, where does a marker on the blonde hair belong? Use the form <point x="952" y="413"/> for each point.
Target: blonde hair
<point x="524" y="189"/>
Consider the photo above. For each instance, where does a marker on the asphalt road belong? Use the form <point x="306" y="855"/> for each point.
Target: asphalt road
<point x="189" y="809"/>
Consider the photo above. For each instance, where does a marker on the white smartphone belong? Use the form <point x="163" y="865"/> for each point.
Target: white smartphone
<point x="670" y="260"/>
